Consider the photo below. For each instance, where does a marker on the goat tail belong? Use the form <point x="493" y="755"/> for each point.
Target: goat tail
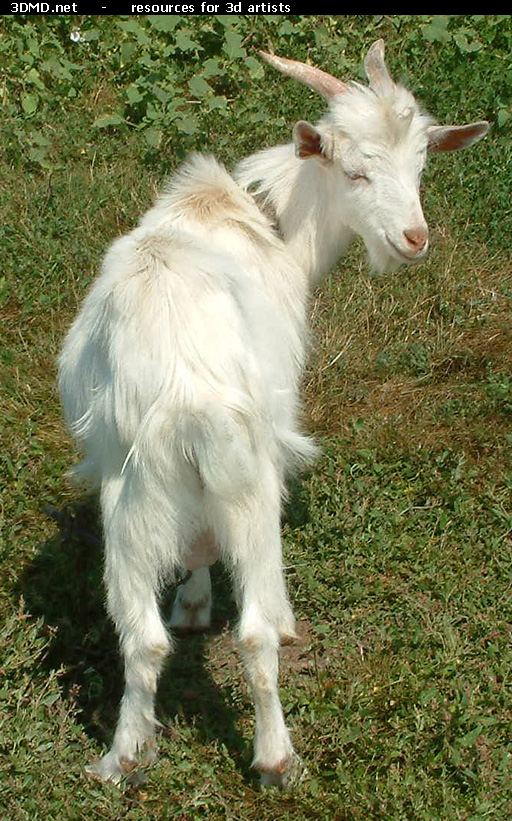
<point x="227" y="449"/>
<point x="220" y="444"/>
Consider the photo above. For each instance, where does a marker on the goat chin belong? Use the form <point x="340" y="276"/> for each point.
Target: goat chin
<point x="380" y="261"/>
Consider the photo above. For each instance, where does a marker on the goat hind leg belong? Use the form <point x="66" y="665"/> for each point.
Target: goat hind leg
<point x="145" y="644"/>
<point x="131" y="582"/>
<point x="254" y="549"/>
<point x="274" y="756"/>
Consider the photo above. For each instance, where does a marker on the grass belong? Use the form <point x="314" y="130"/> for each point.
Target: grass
<point x="397" y="544"/>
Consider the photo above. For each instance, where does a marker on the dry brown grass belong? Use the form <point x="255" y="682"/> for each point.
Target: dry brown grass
<point x="409" y="353"/>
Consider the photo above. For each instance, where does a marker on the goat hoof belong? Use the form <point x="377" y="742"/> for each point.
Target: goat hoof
<point x="285" y="639"/>
<point x="285" y="775"/>
<point x="109" y="768"/>
<point x="191" y="619"/>
<point x="114" y="768"/>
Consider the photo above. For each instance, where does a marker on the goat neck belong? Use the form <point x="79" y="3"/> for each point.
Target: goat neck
<point x="300" y="196"/>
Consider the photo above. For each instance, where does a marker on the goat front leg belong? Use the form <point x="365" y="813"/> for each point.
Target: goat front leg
<point x="192" y="608"/>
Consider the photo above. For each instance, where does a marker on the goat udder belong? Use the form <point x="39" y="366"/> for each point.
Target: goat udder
<point x="202" y="553"/>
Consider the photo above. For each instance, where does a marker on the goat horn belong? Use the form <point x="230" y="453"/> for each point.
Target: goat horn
<point x="310" y="76"/>
<point x="376" y="69"/>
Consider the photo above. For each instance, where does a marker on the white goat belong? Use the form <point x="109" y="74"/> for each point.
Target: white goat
<point x="179" y="377"/>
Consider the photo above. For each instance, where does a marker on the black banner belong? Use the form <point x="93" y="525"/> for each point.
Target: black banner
<point x="123" y="8"/>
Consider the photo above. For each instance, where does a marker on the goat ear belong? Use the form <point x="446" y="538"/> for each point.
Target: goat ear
<point x="455" y="137"/>
<point x="310" y="143"/>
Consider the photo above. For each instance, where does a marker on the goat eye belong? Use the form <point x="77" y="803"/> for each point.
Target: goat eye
<point x="357" y="176"/>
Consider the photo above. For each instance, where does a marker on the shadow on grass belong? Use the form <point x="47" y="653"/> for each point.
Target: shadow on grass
<point x="64" y="585"/>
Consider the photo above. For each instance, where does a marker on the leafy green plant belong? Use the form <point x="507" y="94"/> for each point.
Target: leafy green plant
<point x="499" y="390"/>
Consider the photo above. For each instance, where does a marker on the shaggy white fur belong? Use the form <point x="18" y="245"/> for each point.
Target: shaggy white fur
<point x="179" y="377"/>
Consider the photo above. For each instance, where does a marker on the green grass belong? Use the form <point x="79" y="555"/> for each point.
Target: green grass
<point x="397" y="544"/>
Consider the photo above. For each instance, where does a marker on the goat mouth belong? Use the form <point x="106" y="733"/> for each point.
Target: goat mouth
<point x="413" y="256"/>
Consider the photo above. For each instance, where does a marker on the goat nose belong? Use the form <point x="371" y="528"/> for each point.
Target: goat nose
<point x="416" y="238"/>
